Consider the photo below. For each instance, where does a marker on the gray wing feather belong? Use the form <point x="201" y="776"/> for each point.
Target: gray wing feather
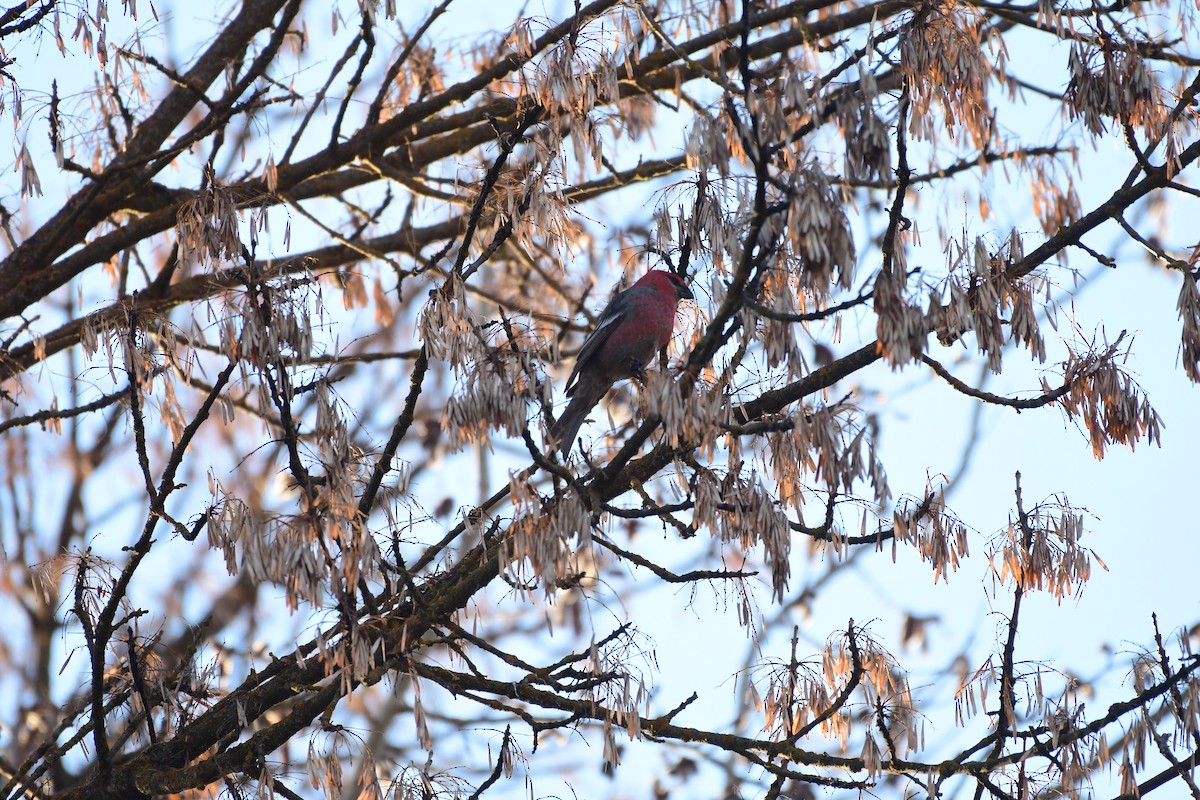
<point x="617" y="310"/>
<point x="594" y="342"/>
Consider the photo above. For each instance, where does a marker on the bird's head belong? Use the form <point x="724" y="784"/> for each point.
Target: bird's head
<point x="668" y="283"/>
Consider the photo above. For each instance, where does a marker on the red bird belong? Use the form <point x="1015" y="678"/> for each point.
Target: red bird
<point x="636" y="325"/>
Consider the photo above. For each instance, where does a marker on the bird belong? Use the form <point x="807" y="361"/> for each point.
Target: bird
<point x="637" y="324"/>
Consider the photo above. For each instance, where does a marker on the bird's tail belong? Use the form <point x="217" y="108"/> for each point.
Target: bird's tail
<point x="566" y="427"/>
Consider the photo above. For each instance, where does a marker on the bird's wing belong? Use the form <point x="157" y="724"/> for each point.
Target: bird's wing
<point x="612" y="317"/>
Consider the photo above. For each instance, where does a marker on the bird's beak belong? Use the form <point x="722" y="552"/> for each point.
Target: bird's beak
<point x="685" y="293"/>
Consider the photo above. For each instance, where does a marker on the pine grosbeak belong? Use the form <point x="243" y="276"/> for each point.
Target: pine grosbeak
<point x="636" y="325"/>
